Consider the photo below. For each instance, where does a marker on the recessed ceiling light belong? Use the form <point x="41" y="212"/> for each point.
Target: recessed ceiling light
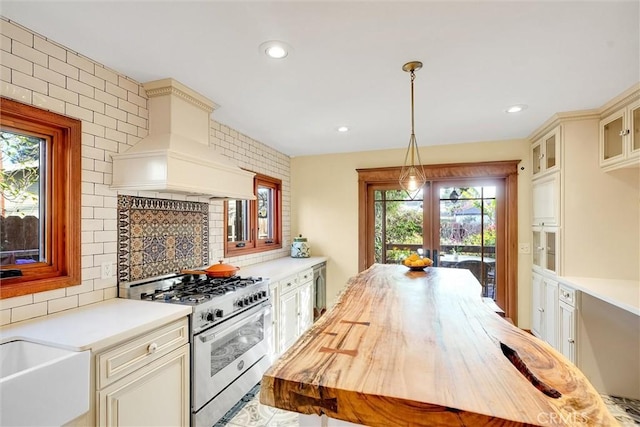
<point x="516" y="108"/>
<point x="343" y="129"/>
<point x="275" y="49"/>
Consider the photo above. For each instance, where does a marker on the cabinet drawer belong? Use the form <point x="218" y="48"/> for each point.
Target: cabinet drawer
<point x="305" y="276"/>
<point x="568" y="295"/>
<point x="120" y="361"/>
<point x="288" y="284"/>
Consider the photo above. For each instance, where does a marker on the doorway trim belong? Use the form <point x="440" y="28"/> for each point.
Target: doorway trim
<point x="507" y="170"/>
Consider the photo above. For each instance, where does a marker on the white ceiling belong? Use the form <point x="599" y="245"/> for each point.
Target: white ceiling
<point x="479" y="57"/>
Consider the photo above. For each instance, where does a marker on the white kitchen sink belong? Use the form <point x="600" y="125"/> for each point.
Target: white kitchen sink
<point x="42" y="385"/>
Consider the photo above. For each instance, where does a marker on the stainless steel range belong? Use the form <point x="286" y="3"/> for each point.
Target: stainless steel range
<point x="230" y="335"/>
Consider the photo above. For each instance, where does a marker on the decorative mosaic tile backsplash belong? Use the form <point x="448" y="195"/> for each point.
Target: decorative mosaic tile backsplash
<point x="159" y="236"/>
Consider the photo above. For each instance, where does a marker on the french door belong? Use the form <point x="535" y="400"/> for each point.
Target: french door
<point x="464" y="217"/>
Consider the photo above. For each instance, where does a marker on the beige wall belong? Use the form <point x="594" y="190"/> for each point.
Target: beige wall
<point x="114" y="115"/>
<point x="601" y="214"/>
<point x="324" y="196"/>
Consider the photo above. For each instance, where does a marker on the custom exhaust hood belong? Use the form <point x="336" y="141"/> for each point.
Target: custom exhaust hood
<point x="176" y="157"/>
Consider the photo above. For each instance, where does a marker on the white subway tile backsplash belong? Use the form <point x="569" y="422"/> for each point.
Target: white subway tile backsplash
<point x="16" y="301"/>
<point x="28" y="312"/>
<point x="28" y="82"/>
<point x="92" y="80"/>
<point x="48" y="48"/>
<point x="61" y="304"/>
<point x="115" y="135"/>
<point x="116" y="90"/>
<point x="93" y="129"/>
<point x="80" y="62"/>
<point x="47" y="295"/>
<point x="91" y="176"/>
<point x="16" y="32"/>
<point x="79" y="112"/>
<point x="107" y="98"/>
<point x="106" y="74"/>
<point x="110" y="293"/>
<point x="128" y="84"/>
<point x="90" y="297"/>
<point x="63" y="68"/>
<point x="48" y="75"/>
<point x="77" y="86"/>
<point x="48" y="103"/>
<point x="5" y="317"/>
<point x="16" y="63"/>
<point x="63" y="94"/>
<point x="29" y="53"/>
<point x="92" y="224"/>
<point x="92" y="104"/>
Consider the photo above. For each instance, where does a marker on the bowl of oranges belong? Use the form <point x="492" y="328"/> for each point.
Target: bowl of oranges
<point x="415" y="263"/>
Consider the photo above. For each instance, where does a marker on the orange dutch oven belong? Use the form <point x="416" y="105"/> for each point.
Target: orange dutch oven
<point x="216" y="270"/>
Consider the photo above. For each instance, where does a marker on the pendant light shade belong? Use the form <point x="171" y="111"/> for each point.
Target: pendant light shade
<point x="412" y="176"/>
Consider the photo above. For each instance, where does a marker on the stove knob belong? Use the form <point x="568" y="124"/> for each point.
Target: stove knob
<point x="253" y="298"/>
<point x="246" y="301"/>
<point x="257" y="295"/>
<point x="218" y="313"/>
<point x="210" y="317"/>
<point x="240" y="303"/>
<point x="264" y="294"/>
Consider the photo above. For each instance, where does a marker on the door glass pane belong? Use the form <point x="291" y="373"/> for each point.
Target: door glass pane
<point x="238" y="220"/>
<point x="468" y="232"/>
<point x="537" y="248"/>
<point x="551" y="251"/>
<point x="22" y="202"/>
<point x="550" y="152"/>
<point x="536" y="158"/>
<point x="612" y="138"/>
<point x="398" y="225"/>
<point x="265" y="212"/>
<point x="635" y="128"/>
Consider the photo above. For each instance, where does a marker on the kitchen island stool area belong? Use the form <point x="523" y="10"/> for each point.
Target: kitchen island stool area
<point x="249" y="412"/>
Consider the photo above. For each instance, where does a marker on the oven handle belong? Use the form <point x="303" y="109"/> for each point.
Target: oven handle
<point x="254" y="312"/>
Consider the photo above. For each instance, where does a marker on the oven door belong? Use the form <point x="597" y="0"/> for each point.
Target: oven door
<point x="224" y="352"/>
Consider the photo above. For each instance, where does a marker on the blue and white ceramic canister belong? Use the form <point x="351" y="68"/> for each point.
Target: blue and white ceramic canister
<point x="300" y="248"/>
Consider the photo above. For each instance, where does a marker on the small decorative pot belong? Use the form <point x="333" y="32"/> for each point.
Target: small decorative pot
<point x="300" y="248"/>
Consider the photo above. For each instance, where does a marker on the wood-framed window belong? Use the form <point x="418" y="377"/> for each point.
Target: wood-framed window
<point x="255" y="225"/>
<point x="40" y="187"/>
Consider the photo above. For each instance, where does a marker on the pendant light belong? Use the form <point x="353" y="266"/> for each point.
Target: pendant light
<point x="412" y="177"/>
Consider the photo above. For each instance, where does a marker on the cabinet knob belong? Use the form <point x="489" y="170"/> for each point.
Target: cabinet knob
<point x="625" y="132"/>
<point x="541" y="156"/>
<point x="152" y="348"/>
<point x="571" y="341"/>
<point x="541" y="310"/>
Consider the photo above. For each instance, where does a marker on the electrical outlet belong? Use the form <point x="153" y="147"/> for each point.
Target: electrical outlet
<point x="524" y="248"/>
<point x="107" y="270"/>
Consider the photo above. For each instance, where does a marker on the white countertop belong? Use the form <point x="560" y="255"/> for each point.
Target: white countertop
<point x="624" y="294"/>
<point x="95" y="326"/>
<point x="280" y="268"/>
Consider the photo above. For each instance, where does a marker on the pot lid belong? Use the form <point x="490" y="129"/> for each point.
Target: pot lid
<point x="222" y="268"/>
<point x="300" y="239"/>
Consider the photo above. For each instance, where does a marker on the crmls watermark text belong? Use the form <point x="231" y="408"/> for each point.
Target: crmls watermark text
<point x="553" y="418"/>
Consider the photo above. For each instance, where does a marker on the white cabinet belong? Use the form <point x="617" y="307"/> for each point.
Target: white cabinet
<point x="546" y="200"/>
<point x="545" y="254"/>
<point x="145" y="381"/>
<point x="545" y="153"/>
<point x="567" y="322"/>
<point x="545" y="309"/>
<point x="295" y="308"/>
<point x="620" y="138"/>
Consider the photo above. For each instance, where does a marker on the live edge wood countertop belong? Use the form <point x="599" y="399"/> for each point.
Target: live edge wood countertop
<point x="422" y="349"/>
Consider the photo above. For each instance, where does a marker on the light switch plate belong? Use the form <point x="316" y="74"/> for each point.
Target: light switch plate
<point x="524" y="248"/>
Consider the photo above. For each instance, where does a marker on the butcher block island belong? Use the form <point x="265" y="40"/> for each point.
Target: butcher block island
<point x="420" y="348"/>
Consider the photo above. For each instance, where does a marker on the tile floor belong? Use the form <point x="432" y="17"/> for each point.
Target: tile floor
<point x="250" y="413"/>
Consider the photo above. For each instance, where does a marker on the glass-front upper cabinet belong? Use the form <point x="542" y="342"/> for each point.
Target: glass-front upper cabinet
<point x="545" y="249"/>
<point x="545" y="153"/>
<point x="620" y="138"/>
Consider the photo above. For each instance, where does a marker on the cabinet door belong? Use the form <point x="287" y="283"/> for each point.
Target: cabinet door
<point x="275" y="320"/>
<point x="157" y="394"/>
<point x="567" y="329"/>
<point x="634" y="130"/>
<point x="611" y="138"/>
<point x="289" y="318"/>
<point x="306" y="306"/>
<point x="551" y="150"/>
<point x="546" y="200"/>
<point x="536" y="158"/>
<point x="537" y="308"/>
<point x="550" y="323"/>
<point x="551" y="249"/>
